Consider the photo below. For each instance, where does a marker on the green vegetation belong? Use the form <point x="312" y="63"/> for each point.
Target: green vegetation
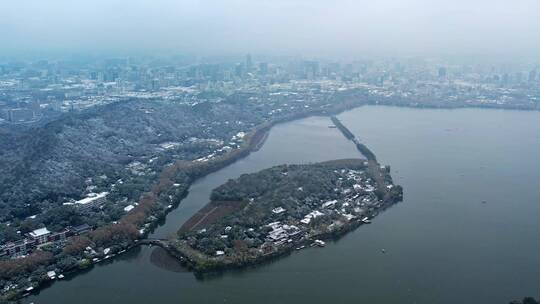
<point x="125" y="144"/>
<point x="140" y="155"/>
<point x="279" y="208"/>
<point x="121" y="148"/>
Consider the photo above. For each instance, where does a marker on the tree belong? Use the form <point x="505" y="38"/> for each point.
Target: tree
<point x="76" y="245"/>
<point x="66" y="263"/>
<point x="17" y="267"/>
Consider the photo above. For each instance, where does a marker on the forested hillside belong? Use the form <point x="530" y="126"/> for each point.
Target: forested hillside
<point x="79" y="153"/>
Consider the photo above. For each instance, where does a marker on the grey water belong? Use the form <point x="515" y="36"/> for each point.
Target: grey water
<point x="466" y="232"/>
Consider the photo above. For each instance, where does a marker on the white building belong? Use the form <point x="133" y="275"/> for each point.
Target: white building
<point x="92" y="199"/>
<point x="40" y="235"/>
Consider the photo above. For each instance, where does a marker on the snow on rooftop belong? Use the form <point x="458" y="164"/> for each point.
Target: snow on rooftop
<point x="39" y="232"/>
<point x="92" y="197"/>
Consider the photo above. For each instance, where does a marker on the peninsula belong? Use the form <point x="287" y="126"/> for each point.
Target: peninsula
<point x="263" y="215"/>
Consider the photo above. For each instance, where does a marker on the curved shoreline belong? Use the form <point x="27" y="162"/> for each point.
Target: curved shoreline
<point x="390" y="194"/>
<point x="255" y="139"/>
<point x="264" y="128"/>
<point x="361" y="248"/>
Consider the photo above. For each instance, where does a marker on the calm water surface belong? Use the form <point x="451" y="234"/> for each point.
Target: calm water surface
<point x="467" y="231"/>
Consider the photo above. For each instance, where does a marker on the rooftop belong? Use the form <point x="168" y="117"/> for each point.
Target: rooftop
<point x="39" y="232"/>
<point x="91" y="198"/>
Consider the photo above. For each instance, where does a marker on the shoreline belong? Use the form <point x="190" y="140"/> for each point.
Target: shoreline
<point x="202" y="265"/>
<point x="264" y="129"/>
<point x="255" y="139"/>
<point x="390" y="194"/>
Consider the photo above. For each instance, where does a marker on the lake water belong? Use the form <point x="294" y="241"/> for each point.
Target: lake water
<point x="466" y="232"/>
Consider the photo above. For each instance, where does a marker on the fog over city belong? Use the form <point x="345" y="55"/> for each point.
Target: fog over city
<point x="307" y="27"/>
<point x="269" y="151"/>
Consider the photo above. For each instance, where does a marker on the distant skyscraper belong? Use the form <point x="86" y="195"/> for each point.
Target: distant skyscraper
<point x="249" y="63"/>
<point x="155" y="84"/>
<point x="239" y="70"/>
<point x="442" y="72"/>
<point x="532" y="75"/>
<point x="263" y="68"/>
<point x="310" y="69"/>
<point x="505" y="79"/>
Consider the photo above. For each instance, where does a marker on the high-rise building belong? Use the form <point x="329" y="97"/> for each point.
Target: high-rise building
<point x="155" y="84"/>
<point x="442" y="72"/>
<point x="532" y="75"/>
<point x="249" y="62"/>
<point x="505" y="79"/>
<point x="310" y="69"/>
<point x="239" y="70"/>
<point x="263" y="68"/>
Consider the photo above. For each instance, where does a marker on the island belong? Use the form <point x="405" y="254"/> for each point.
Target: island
<point x="263" y="215"/>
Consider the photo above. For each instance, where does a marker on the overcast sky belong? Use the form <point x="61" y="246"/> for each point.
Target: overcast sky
<point x="308" y="27"/>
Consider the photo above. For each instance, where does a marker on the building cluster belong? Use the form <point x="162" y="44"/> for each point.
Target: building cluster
<point x="289" y="222"/>
<point x="39" y="238"/>
<point x="353" y="203"/>
<point x="30" y="91"/>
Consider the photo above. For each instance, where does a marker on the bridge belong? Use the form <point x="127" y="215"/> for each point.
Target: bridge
<point x="156" y="242"/>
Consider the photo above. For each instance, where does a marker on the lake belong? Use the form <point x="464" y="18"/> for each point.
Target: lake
<point x="466" y="231"/>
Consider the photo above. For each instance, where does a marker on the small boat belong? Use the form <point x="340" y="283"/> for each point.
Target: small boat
<point x="61" y="276"/>
<point x="366" y="220"/>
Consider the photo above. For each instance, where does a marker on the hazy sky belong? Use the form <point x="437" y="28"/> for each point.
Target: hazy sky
<point x="310" y="27"/>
